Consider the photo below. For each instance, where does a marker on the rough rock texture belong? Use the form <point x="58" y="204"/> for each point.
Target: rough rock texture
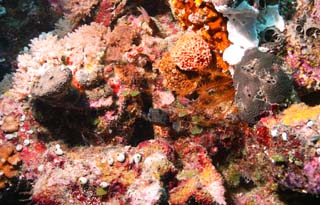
<point x="53" y="84"/>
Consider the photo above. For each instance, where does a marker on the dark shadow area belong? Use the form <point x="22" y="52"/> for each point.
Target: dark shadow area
<point x="24" y="20"/>
<point x="19" y="193"/>
<point x="143" y="130"/>
<point x="295" y="198"/>
<point x="311" y="99"/>
<point x="71" y="126"/>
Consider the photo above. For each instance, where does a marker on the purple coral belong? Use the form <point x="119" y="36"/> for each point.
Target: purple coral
<point x="306" y="180"/>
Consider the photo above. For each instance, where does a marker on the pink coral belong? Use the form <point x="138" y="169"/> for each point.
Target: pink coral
<point x="191" y="53"/>
<point x="81" y="49"/>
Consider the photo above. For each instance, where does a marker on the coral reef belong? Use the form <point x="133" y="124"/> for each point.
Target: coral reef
<point x="133" y="102"/>
<point x="198" y="179"/>
<point x="196" y="84"/>
<point x="75" y="10"/>
<point x="53" y="84"/>
<point x="276" y="152"/>
<point x="303" y="40"/>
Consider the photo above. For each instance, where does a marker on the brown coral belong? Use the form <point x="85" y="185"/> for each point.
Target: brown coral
<point x="182" y="82"/>
<point x="215" y="99"/>
<point x="9" y="160"/>
<point x="202" y="16"/>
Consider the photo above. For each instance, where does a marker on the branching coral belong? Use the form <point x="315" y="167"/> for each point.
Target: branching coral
<point x="80" y="51"/>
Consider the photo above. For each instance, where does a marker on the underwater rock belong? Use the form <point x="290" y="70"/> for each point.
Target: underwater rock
<point x="53" y="84"/>
<point x="282" y="150"/>
<point x="303" y="49"/>
<point x="259" y="83"/>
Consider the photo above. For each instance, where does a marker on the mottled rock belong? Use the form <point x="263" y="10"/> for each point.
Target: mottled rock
<point x="53" y="84"/>
<point x="88" y="78"/>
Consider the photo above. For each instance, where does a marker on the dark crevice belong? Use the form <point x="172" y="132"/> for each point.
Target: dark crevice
<point x="311" y="99"/>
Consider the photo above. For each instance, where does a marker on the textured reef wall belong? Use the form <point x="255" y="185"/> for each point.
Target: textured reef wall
<point x="159" y="102"/>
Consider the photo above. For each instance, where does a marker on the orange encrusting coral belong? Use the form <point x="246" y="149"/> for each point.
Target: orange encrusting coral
<point x="200" y="76"/>
<point x="9" y="161"/>
<point x="182" y="82"/>
<point x="191" y="53"/>
<point x="202" y="16"/>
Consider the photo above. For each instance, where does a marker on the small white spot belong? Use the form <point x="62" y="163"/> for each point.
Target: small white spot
<point x="110" y="161"/>
<point x="22" y="129"/>
<point x="104" y="184"/>
<point x="10" y="136"/>
<point x="19" y="148"/>
<point x="30" y="132"/>
<point x="22" y="118"/>
<point x="59" y="151"/>
<point x="284" y="136"/>
<point x="310" y="123"/>
<point x="40" y="168"/>
<point x="274" y="133"/>
<point x="1" y="122"/>
<point x="26" y="142"/>
<point x="121" y="157"/>
<point x="137" y="158"/>
<point x="318" y="151"/>
<point x="83" y="180"/>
